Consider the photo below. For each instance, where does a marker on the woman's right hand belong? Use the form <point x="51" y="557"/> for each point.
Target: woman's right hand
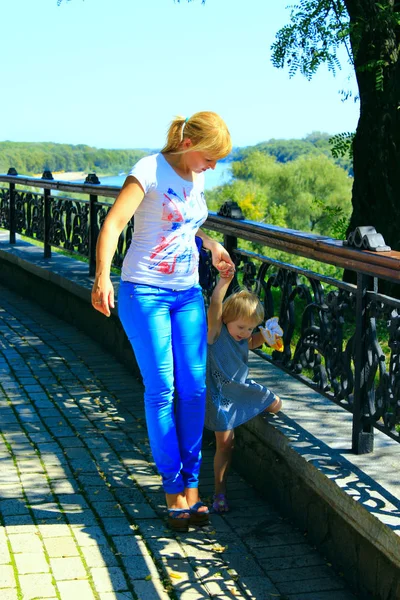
<point x="103" y="294"/>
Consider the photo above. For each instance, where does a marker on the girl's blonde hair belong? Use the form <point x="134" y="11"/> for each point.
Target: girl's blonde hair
<point x="242" y="305"/>
<point x="207" y="132"/>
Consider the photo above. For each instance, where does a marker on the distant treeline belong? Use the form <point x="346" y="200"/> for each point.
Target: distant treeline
<point x="30" y="158"/>
<point x="284" y="151"/>
<point x="35" y="157"/>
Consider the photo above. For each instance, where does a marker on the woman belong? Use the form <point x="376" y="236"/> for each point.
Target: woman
<point x="160" y="302"/>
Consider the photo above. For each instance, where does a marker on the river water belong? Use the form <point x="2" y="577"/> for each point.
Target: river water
<point x="221" y="174"/>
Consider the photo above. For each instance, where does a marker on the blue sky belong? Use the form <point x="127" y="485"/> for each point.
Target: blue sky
<point x="113" y="73"/>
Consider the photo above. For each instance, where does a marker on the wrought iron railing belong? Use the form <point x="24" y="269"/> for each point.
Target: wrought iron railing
<point x="341" y="339"/>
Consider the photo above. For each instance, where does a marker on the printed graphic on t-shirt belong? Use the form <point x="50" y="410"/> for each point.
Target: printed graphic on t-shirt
<point x="177" y="211"/>
<point x="171" y="211"/>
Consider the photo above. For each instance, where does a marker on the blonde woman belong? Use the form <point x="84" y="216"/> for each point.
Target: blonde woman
<point x="160" y="302"/>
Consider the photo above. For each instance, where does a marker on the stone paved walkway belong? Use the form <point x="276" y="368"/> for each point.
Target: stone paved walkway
<point x="81" y="506"/>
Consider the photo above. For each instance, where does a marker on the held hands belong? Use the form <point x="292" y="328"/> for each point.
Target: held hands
<point x="225" y="270"/>
<point x="103" y="295"/>
<point x="222" y="261"/>
<point x="272" y="334"/>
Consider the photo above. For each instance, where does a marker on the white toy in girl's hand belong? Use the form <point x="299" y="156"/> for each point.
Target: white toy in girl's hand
<point x="272" y="334"/>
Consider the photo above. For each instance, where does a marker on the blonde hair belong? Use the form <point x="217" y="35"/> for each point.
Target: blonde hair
<point x="242" y="305"/>
<point x="207" y="132"/>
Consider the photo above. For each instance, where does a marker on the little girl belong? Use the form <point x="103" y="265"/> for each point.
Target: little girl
<point x="232" y="398"/>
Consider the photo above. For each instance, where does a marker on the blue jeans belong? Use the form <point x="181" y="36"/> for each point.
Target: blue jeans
<point x="167" y="330"/>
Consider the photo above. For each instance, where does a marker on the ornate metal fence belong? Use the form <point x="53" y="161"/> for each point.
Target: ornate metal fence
<point x="341" y="339"/>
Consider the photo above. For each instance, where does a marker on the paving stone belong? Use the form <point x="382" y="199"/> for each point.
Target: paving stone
<point x="99" y="556"/>
<point x="140" y="511"/>
<point x="108" y="579"/>
<point x="129" y="545"/>
<point x="116" y="525"/>
<point x="166" y="547"/>
<point x="89" y="536"/>
<point x="4" y="553"/>
<point x="71" y="502"/>
<point x="243" y="565"/>
<point x="313" y="585"/>
<point x="298" y="574"/>
<point x="72" y="590"/>
<point x="98" y="494"/>
<point x="31" y="563"/>
<point x="31" y="584"/>
<point x="154" y="528"/>
<point x="82" y="518"/>
<point x="179" y="571"/>
<point x="68" y="568"/>
<point x="108" y="509"/>
<point x="7" y="579"/>
<point x="64" y="487"/>
<point x="19" y="524"/>
<point x="10" y="594"/>
<point x="218" y="588"/>
<point x="9" y="490"/>
<point x="151" y="589"/>
<point x="25" y="542"/>
<point x="259" y="588"/>
<point x="54" y="530"/>
<point x="61" y="547"/>
<point x="13" y="507"/>
<point x="129" y="496"/>
<point x="272" y="552"/>
<point x="292" y="562"/>
<point x="139" y="567"/>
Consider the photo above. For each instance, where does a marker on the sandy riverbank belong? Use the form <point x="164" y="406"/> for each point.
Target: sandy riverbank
<point x="69" y="176"/>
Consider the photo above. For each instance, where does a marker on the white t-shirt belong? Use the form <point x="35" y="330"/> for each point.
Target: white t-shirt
<point x="163" y="251"/>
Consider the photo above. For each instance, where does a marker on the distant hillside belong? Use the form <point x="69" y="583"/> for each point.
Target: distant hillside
<point x="287" y="150"/>
<point x="30" y="158"/>
<point x="34" y="158"/>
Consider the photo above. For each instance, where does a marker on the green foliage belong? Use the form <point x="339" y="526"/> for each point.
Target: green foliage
<point x="342" y="145"/>
<point x="377" y="67"/>
<point x="314" y="144"/>
<point x="315" y="31"/>
<point x="318" y="27"/>
<point x="310" y="193"/>
<point x="35" y="157"/>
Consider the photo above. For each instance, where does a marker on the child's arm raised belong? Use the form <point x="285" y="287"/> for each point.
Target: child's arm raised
<point x="214" y="315"/>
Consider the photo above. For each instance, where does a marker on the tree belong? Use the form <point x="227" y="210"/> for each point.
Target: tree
<point x="316" y="193"/>
<point x="371" y="31"/>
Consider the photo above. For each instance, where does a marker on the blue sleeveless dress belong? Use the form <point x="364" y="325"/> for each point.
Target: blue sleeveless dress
<point x="232" y="398"/>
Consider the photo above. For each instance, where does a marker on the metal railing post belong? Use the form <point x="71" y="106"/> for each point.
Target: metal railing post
<point x="12" y="213"/>
<point x="46" y="240"/>
<point x="12" y="216"/>
<point x="92" y="234"/>
<point x="231" y="210"/>
<point x="363" y="431"/>
<point x="94" y="180"/>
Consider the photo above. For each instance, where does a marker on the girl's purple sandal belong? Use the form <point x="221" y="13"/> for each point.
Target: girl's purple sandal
<point x="220" y="504"/>
<point x="198" y="517"/>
